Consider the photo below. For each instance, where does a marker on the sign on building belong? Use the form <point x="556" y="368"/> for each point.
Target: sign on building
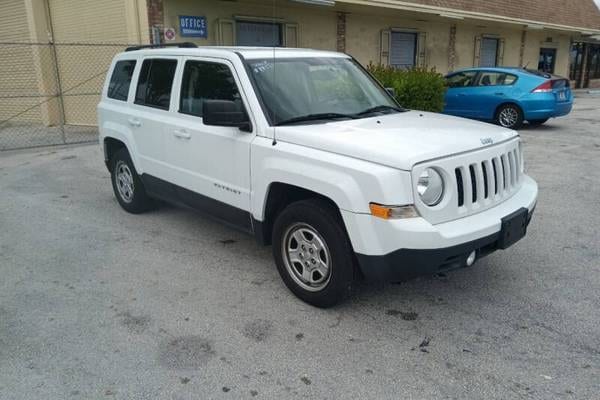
<point x="170" y="34"/>
<point x="192" y="26"/>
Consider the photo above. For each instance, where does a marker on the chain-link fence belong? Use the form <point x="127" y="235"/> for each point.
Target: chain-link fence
<point x="49" y="92"/>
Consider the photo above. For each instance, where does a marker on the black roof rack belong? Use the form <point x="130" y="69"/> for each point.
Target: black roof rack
<point x="185" y="45"/>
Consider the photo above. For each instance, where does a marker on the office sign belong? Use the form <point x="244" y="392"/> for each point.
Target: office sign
<point x="192" y="26"/>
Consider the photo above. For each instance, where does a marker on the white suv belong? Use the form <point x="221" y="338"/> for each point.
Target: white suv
<point x="305" y="150"/>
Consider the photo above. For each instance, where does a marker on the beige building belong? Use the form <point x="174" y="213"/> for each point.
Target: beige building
<point x="64" y="47"/>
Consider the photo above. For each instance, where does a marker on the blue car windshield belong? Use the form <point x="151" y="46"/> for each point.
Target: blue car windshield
<point x="317" y="88"/>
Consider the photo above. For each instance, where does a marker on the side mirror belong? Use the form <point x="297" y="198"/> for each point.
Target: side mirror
<point x="225" y="113"/>
<point x="391" y="91"/>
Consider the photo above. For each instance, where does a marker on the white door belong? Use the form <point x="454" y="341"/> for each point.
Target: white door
<point x="213" y="161"/>
<point x="149" y="110"/>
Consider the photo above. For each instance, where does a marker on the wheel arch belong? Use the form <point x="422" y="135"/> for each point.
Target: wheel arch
<point x="509" y="102"/>
<point x="111" y="144"/>
<point x="279" y="195"/>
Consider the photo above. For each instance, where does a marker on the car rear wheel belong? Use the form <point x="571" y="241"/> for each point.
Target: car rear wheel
<point x="509" y="116"/>
<point x="537" y="122"/>
<point x="127" y="185"/>
<point x="313" y="253"/>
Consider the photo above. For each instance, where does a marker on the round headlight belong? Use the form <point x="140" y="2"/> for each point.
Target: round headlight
<point x="430" y="187"/>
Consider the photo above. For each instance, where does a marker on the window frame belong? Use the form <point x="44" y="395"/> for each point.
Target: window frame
<point x="415" y="34"/>
<point x="483" y="71"/>
<point x="476" y="75"/>
<point x="131" y="81"/>
<point x="496" y="56"/>
<point x="261" y="21"/>
<point x="138" y="75"/>
<point x="180" y="94"/>
<point x="176" y="96"/>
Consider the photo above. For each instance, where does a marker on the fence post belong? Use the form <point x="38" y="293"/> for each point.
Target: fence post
<point x="59" y="95"/>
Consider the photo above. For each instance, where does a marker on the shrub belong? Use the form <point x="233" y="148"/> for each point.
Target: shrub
<point x="417" y="88"/>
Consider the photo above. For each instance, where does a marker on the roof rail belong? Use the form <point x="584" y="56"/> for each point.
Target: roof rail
<point x="186" y="45"/>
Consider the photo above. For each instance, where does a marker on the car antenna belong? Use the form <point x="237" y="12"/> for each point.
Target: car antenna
<point x="526" y="65"/>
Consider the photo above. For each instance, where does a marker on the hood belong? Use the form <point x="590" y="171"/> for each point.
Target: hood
<point x="398" y="140"/>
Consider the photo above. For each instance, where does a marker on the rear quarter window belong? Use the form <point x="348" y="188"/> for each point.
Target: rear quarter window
<point x="120" y="80"/>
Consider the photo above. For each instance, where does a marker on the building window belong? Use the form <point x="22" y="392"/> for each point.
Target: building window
<point x="547" y="60"/>
<point x="118" y="88"/>
<point x="403" y="49"/>
<point x="206" y="81"/>
<point x="489" y="52"/>
<point x="155" y="83"/>
<point x="251" y="33"/>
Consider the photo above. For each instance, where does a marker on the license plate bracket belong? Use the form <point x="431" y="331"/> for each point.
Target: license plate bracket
<point x="514" y="227"/>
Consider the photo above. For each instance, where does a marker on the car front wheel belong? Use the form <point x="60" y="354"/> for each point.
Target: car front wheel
<point x="509" y="116"/>
<point x="313" y="253"/>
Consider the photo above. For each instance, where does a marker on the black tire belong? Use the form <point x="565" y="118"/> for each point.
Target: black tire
<point x="537" y="122"/>
<point x="325" y="220"/>
<point x="509" y="116"/>
<point x="138" y="201"/>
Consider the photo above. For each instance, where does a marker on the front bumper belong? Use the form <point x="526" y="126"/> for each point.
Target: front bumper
<point x="405" y="264"/>
<point x="394" y="250"/>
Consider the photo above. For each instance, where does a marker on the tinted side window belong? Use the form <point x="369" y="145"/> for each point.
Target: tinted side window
<point x="118" y="87"/>
<point x="206" y="81"/>
<point x="461" y="79"/>
<point x="155" y="82"/>
<point x="496" y="79"/>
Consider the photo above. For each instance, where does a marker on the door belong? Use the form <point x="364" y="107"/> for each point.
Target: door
<point x="211" y="162"/>
<point x="151" y="107"/>
<point x="491" y="88"/>
<point x="547" y="60"/>
<point x="458" y="99"/>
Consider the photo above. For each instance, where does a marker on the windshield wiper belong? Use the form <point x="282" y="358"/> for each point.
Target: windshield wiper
<point x="315" y="117"/>
<point x="381" y="107"/>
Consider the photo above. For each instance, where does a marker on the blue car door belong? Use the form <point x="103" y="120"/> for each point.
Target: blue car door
<point x="491" y="89"/>
<point x="459" y="99"/>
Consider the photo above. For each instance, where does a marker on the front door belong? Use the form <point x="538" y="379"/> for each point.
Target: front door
<point x="212" y="163"/>
<point x="459" y="96"/>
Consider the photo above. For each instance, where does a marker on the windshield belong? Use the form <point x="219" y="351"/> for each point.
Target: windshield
<point x="304" y="89"/>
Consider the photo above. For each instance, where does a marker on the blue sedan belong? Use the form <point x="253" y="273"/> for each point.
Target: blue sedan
<point x="507" y="96"/>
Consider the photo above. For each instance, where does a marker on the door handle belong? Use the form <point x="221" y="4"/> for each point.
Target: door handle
<point x="134" y="122"/>
<point x="462" y="94"/>
<point x="182" y="134"/>
<point x="499" y="94"/>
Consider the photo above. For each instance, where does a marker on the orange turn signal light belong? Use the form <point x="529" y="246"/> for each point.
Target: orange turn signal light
<point x="393" y="212"/>
<point x="377" y="210"/>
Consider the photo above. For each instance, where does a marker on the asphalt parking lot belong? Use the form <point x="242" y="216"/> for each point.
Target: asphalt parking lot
<point x="96" y="303"/>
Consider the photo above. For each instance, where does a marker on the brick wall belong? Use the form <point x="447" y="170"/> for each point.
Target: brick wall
<point x="578" y="13"/>
<point x="156" y="17"/>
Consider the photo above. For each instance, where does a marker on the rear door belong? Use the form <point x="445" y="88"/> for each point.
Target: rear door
<point x="492" y="88"/>
<point x="150" y="108"/>
<point x="458" y="99"/>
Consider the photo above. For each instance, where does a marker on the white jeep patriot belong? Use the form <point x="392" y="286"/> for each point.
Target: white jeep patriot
<point x="308" y="152"/>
